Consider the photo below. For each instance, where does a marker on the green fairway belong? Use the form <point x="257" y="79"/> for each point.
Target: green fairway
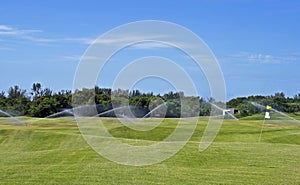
<point x="52" y="151"/>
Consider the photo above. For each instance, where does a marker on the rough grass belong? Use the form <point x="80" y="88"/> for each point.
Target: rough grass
<point x="52" y="151"/>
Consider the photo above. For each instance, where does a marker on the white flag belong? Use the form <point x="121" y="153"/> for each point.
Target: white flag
<point x="267" y="115"/>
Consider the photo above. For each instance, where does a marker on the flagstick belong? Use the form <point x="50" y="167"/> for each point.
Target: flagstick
<point x="261" y="130"/>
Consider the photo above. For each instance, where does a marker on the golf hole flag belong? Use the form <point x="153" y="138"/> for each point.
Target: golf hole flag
<point x="267" y="115"/>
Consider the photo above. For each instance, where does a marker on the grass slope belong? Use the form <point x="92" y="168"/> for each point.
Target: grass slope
<point x="52" y="151"/>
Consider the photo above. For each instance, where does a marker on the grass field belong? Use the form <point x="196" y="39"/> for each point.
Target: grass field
<point x="52" y="151"/>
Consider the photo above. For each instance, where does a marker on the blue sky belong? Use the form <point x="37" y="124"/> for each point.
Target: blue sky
<point x="257" y="43"/>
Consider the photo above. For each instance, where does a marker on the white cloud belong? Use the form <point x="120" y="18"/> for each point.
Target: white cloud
<point x="37" y="39"/>
<point x="6" y="48"/>
<point x="145" y="41"/>
<point x="8" y="30"/>
<point x="23" y="34"/>
<point x="151" y="41"/>
<point x="70" y="58"/>
<point x="138" y="41"/>
<point x="77" y="58"/>
<point x="123" y="39"/>
<point x="81" y="40"/>
<point x="5" y="28"/>
<point x="262" y="58"/>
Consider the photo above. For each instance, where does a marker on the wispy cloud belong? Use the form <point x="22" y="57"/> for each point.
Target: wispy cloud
<point x="5" y="28"/>
<point x="81" y="40"/>
<point x="262" y="58"/>
<point x="38" y="39"/>
<point x="70" y="58"/>
<point x="145" y="40"/>
<point x="120" y="39"/>
<point x="139" y="40"/>
<point x="6" y="48"/>
<point x="77" y="58"/>
<point x="10" y="31"/>
<point x="22" y="34"/>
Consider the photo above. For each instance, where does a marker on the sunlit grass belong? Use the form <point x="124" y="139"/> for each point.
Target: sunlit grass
<point x="52" y="151"/>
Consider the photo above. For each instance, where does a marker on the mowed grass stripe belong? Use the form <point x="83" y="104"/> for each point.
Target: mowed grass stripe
<point x="51" y="153"/>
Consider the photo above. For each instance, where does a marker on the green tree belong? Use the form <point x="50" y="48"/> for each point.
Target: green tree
<point x="16" y="92"/>
<point x="43" y="106"/>
<point x="16" y="103"/>
<point x="36" y="90"/>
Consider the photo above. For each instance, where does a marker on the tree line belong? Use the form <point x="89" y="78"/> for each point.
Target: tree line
<point x="42" y="102"/>
<point x="277" y="101"/>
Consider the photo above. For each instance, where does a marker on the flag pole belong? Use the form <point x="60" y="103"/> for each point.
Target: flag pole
<point x="261" y="130"/>
<point x="267" y="116"/>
